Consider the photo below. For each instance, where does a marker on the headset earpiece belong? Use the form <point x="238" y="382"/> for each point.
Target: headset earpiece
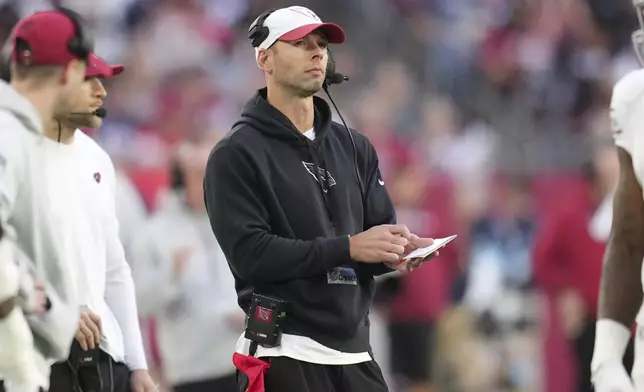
<point x="257" y="33"/>
<point x="332" y="77"/>
<point x="330" y="67"/>
<point x="74" y="42"/>
<point x="82" y="43"/>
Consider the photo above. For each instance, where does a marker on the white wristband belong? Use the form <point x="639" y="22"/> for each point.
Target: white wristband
<point x="611" y="339"/>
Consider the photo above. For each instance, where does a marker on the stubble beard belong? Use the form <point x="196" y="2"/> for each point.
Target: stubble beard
<point x="87" y="121"/>
<point x="304" y="89"/>
<point x="76" y="120"/>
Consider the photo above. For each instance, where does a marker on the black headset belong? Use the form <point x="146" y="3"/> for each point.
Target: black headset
<point x="81" y="44"/>
<point x="257" y="33"/>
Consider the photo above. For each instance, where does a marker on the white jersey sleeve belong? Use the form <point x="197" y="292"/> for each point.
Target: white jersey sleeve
<point x="627" y="110"/>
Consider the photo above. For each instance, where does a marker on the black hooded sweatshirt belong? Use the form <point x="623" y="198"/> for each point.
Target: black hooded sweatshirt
<point x="284" y="226"/>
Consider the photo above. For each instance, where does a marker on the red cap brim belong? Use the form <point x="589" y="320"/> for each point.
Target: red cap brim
<point x="99" y="68"/>
<point x="332" y="31"/>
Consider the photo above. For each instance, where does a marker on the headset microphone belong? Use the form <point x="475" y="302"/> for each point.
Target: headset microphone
<point x="100" y="112"/>
<point x="336" y="78"/>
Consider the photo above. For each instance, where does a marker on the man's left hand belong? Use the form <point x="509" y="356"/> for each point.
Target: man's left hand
<point x="141" y="381"/>
<point x="415" y="242"/>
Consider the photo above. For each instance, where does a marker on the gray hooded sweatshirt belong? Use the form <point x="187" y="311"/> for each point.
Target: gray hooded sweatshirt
<point x="25" y="215"/>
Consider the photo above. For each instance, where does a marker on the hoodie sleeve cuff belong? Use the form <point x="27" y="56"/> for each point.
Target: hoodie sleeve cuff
<point x="336" y="251"/>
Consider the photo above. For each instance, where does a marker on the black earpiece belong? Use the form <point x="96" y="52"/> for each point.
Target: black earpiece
<point x="258" y="32"/>
<point x="333" y="77"/>
<point x="81" y="44"/>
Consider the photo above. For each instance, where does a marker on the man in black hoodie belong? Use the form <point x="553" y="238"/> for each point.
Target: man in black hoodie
<point x="297" y="220"/>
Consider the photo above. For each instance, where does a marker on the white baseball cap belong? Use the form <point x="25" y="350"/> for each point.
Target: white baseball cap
<point x="296" y="22"/>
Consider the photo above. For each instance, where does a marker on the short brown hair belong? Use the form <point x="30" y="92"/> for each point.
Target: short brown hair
<point x="37" y="73"/>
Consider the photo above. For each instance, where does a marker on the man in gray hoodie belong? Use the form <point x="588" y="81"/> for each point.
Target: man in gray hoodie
<point x="48" y="63"/>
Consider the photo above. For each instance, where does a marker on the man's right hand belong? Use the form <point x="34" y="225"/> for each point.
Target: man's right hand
<point x="89" y="330"/>
<point x="384" y="243"/>
<point x="612" y="377"/>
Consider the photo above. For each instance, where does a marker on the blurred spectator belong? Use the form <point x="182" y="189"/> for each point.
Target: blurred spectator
<point x="375" y="118"/>
<point x="464" y="153"/>
<point x="500" y="293"/>
<point x="183" y="280"/>
<point x="8" y="17"/>
<point x="392" y="80"/>
<point x="182" y="114"/>
<point x="130" y="211"/>
<point x="423" y="201"/>
<point x="172" y="24"/>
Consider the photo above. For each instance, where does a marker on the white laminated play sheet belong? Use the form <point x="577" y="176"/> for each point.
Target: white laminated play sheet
<point x="428" y="250"/>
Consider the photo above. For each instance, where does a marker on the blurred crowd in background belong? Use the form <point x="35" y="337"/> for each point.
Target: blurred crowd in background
<point x="491" y="121"/>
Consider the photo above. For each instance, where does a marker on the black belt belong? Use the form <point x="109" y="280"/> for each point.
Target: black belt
<point x="253" y="348"/>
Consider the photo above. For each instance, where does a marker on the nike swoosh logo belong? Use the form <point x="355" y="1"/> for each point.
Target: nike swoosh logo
<point x="381" y="182"/>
